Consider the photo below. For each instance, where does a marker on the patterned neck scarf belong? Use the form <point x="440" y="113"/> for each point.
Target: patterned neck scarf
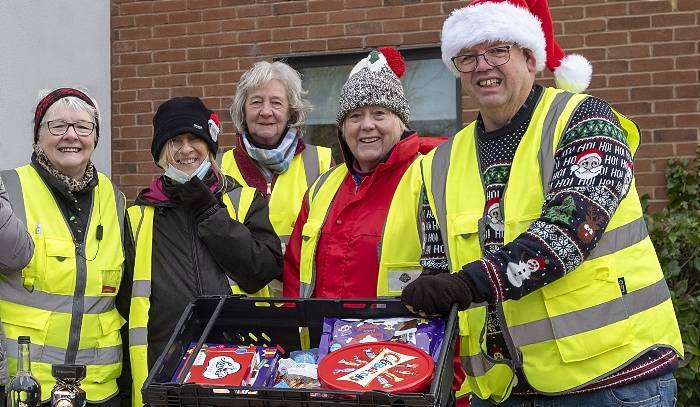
<point x="276" y="160"/>
<point x="73" y="184"/>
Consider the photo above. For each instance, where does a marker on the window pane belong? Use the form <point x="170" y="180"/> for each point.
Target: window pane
<point x="431" y="92"/>
<point x="429" y="86"/>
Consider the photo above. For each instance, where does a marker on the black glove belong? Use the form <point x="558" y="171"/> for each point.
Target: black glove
<point x="197" y="197"/>
<point x="434" y="294"/>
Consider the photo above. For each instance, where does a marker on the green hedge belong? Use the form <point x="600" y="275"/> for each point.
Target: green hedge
<point x="675" y="233"/>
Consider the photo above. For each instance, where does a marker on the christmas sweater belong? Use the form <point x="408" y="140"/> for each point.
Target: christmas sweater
<point x="580" y="179"/>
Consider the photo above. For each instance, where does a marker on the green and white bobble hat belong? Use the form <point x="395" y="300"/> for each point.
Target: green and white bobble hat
<point x="375" y="81"/>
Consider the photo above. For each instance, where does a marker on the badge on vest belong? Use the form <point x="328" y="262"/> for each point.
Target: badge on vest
<point x="623" y="287"/>
<point x="398" y="279"/>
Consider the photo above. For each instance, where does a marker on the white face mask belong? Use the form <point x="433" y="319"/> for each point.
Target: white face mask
<point x="182" y="177"/>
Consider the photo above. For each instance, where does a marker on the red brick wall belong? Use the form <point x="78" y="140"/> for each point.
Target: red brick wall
<point x="645" y="56"/>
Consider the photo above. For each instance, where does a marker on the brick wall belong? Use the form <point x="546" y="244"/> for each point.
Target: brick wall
<point x="645" y="56"/>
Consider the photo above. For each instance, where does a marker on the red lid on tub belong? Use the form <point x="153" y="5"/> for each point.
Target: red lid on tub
<point x="386" y="366"/>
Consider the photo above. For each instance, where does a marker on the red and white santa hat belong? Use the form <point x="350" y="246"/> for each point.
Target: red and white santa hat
<point x="524" y="22"/>
<point x="541" y="264"/>
<point x="591" y="152"/>
<point x="491" y="204"/>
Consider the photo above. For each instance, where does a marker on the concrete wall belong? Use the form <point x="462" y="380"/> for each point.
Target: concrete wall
<point x="45" y="45"/>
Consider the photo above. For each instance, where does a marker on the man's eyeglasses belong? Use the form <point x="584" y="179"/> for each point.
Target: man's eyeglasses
<point x="59" y="127"/>
<point x="494" y="57"/>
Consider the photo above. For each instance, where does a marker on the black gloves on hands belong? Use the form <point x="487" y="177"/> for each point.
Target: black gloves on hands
<point x="197" y="197"/>
<point x="434" y="294"/>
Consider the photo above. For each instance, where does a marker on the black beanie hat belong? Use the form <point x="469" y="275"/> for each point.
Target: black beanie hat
<point x="184" y="115"/>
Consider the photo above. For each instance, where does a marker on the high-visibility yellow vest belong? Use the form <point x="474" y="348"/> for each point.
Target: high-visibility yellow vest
<point x="290" y="186"/>
<point x="237" y="203"/>
<point x="581" y="327"/>
<point x="65" y="298"/>
<point x="399" y="248"/>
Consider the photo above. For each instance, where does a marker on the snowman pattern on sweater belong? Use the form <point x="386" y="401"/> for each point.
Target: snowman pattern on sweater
<point x="523" y="269"/>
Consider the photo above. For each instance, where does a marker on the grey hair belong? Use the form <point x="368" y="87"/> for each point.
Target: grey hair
<point x="261" y="73"/>
<point x="74" y="103"/>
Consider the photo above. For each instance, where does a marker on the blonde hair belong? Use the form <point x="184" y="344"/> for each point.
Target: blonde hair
<point x="165" y="154"/>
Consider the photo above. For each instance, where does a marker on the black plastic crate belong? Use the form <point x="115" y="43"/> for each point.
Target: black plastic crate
<point x="240" y="320"/>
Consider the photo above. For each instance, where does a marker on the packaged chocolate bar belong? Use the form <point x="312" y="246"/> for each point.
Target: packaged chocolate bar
<point x="223" y="366"/>
<point x="291" y="374"/>
<point x="423" y="333"/>
<point x="188" y="354"/>
<point x="265" y="370"/>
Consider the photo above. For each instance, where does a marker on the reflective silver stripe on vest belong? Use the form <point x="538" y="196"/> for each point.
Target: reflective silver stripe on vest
<point x="141" y="289"/>
<point x="53" y="302"/>
<point x="11" y="180"/>
<point x="55" y="356"/>
<point x="320" y="182"/>
<point x="138" y="227"/>
<point x="235" y="196"/>
<point x="138" y="336"/>
<point x="574" y="323"/>
<point x="121" y="209"/>
<point x="546" y="153"/>
<point x="440" y="165"/>
<point x="305" y="290"/>
<point x="478" y="365"/>
<point x="311" y="166"/>
<point x="619" y="238"/>
<point x="14" y="191"/>
<point x="591" y="318"/>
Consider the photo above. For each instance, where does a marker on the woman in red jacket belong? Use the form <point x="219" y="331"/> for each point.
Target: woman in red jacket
<point x="333" y="250"/>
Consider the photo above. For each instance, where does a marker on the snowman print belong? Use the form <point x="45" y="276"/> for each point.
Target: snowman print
<point x="517" y="273"/>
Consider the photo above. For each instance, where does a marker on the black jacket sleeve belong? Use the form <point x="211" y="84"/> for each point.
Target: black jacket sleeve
<point x="250" y="253"/>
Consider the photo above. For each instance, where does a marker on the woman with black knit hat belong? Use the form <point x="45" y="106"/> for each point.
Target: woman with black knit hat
<point x="336" y="245"/>
<point x="65" y="297"/>
<point x="197" y="233"/>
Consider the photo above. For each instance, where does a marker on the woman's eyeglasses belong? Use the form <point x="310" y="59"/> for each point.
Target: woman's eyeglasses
<point x="59" y="127"/>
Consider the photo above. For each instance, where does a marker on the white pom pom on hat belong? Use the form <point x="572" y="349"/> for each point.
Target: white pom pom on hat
<point x="527" y="23"/>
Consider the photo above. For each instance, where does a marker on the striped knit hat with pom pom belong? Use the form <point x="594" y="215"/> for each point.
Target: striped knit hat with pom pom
<point x="374" y="81"/>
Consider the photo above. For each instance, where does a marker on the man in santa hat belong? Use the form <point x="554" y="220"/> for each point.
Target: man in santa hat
<point x="567" y="334"/>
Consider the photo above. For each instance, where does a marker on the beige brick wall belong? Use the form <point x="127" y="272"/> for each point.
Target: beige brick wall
<point x="645" y="56"/>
